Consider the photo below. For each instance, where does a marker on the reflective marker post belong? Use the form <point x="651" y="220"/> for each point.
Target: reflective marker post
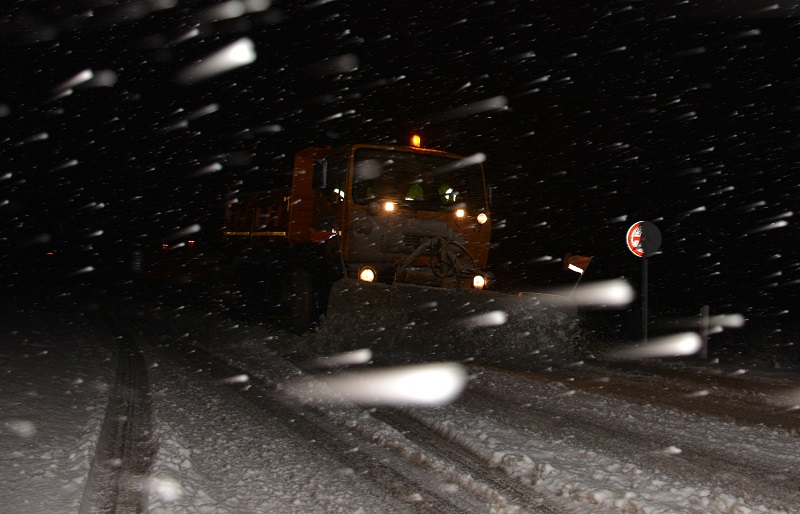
<point x="578" y="264"/>
<point x="644" y="240"/>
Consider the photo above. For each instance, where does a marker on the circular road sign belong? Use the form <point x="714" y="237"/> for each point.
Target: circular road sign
<point x="643" y="239"/>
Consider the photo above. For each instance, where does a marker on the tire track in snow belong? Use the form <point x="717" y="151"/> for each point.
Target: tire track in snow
<point x="418" y="488"/>
<point x="512" y="489"/>
<point x="125" y="448"/>
<point x="708" y="392"/>
<point x="711" y="453"/>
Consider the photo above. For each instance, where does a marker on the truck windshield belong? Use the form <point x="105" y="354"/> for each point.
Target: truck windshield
<point x="418" y="180"/>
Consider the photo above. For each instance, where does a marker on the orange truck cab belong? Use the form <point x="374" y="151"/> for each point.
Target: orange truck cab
<point x="376" y="213"/>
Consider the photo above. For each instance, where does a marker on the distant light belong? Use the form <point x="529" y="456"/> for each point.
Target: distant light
<point x="388" y="206"/>
<point x="478" y="281"/>
<point x="482" y="218"/>
<point x="460" y="213"/>
<point x="416" y="141"/>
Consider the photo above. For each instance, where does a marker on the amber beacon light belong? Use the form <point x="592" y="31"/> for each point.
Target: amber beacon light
<point x="416" y="141"/>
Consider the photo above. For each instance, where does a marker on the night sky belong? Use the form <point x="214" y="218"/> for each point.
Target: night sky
<point x="592" y="115"/>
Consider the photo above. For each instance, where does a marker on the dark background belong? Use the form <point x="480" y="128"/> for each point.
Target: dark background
<point x="592" y="115"/>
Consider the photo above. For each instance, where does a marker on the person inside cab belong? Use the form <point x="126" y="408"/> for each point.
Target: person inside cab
<point x="415" y="193"/>
<point x="447" y="194"/>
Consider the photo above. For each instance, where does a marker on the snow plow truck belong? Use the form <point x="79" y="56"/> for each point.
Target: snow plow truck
<point x="387" y="241"/>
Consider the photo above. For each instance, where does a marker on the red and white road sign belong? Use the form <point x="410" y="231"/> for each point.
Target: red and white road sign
<point x="643" y="239"/>
<point x="634" y="239"/>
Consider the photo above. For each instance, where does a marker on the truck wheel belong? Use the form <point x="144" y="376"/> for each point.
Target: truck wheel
<point x="301" y="301"/>
<point x="250" y="289"/>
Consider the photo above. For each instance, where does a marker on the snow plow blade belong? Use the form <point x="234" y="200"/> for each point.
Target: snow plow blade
<point x="448" y="322"/>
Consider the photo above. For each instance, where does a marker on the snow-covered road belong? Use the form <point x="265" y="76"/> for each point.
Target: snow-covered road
<point x="235" y="433"/>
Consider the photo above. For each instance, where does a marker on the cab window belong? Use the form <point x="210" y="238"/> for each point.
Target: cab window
<point x="330" y="176"/>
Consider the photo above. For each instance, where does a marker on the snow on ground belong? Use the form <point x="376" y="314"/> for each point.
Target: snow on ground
<point x="604" y="474"/>
<point x="220" y="452"/>
<point x="597" y="479"/>
<point x="56" y="374"/>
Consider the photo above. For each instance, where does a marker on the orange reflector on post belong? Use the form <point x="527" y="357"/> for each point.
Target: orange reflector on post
<point x="576" y="263"/>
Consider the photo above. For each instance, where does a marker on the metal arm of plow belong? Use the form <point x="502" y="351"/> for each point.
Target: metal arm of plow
<point x="449" y="257"/>
<point x="415" y="255"/>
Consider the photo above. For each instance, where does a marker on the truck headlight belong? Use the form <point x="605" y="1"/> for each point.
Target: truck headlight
<point x="367" y="274"/>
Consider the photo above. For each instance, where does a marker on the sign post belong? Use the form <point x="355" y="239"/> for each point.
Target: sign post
<point x="644" y="240"/>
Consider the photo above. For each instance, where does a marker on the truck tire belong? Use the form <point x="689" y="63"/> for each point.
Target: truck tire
<point x="249" y="290"/>
<point x="301" y="300"/>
